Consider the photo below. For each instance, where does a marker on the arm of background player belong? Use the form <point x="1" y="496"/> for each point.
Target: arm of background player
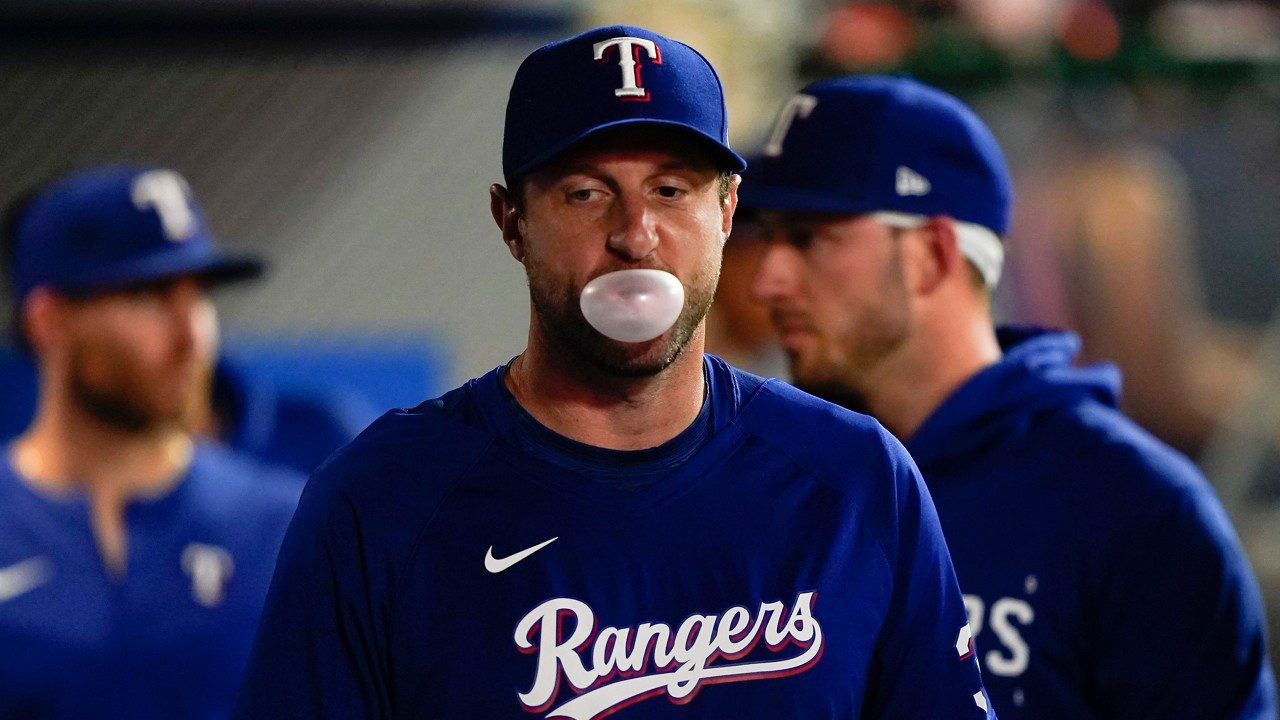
<point x="319" y="651"/>
<point x="924" y="667"/>
<point x="1180" y="629"/>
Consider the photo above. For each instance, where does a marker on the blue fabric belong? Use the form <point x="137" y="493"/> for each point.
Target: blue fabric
<point x="295" y="427"/>
<point x="772" y="510"/>
<point x="1103" y="578"/>
<point x="93" y="230"/>
<point x="562" y="94"/>
<point x="80" y="645"/>
<point x="891" y="130"/>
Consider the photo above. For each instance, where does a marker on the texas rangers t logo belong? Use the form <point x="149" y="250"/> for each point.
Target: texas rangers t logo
<point x="629" y="60"/>
<point x="168" y="194"/>
<point x="611" y="668"/>
<point x="798" y="106"/>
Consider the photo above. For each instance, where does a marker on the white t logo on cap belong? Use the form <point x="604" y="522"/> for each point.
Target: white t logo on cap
<point x="800" y="105"/>
<point x="168" y="193"/>
<point x="910" y="182"/>
<point x="629" y="60"/>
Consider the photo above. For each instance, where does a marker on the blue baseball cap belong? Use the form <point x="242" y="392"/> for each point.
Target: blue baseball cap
<point x="610" y="77"/>
<point x="867" y="144"/>
<point x="108" y="228"/>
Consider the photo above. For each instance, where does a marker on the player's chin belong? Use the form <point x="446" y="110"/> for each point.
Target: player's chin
<point x="808" y="372"/>
<point x="168" y="409"/>
<point x="637" y="360"/>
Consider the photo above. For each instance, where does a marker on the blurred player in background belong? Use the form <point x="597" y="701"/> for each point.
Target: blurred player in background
<point x="293" y="427"/>
<point x="614" y="518"/>
<point x="1103" y="578"/>
<point x="738" y="327"/>
<point x="133" y="560"/>
<point x="234" y="404"/>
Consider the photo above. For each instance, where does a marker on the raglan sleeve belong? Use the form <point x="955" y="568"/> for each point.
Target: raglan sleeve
<point x="320" y="650"/>
<point x="924" y="666"/>
<point x="1177" y="627"/>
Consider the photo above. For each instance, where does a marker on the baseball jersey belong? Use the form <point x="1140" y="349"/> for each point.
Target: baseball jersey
<point x="168" y="640"/>
<point x="778" y="559"/>
<point x="1102" y="577"/>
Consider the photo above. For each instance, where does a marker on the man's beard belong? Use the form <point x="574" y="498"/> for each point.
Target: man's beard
<point x="558" y="314"/>
<point x="837" y="393"/>
<point x="116" y="407"/>
<point x="883" y="332"/>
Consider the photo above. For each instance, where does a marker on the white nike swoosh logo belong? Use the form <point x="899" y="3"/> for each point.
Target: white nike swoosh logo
<point x="496" y="565"/>
<point x="23" y="577"/>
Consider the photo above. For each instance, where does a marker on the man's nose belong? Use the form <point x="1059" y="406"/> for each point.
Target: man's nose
<point x="186" y="300"/>
<point x="635" y="234"/>
<point x="776" y="275"/>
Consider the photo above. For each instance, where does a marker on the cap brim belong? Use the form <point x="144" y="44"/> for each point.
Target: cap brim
<point x="216" y="269"/>
<point x="783" y="199"/>
<point x="726" y="158"/>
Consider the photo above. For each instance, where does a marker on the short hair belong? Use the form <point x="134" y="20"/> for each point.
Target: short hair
<point x="976" y="279"/>
<point x="726" y="180"/>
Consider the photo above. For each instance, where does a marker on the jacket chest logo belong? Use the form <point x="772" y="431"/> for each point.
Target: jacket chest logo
<point x="611" y="668"/>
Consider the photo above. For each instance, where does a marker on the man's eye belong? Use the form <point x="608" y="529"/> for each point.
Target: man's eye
<point x="670" y="191"/>
<point x="800" y="239"/>
<point x="584" y="194"/>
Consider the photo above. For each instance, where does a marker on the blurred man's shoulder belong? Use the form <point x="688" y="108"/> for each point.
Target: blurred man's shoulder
<point x="787" y="412"/>
<point x="228" y="486"/>
<point x="409" y="450"/>
<point x="1111" y="449"/>
<point x="836" y="445"/>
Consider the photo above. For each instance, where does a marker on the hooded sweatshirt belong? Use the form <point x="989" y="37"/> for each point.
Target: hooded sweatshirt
<point x="1101" y="574"/>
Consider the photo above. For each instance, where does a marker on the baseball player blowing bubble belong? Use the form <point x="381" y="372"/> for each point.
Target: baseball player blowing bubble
<point x="615" y="523"/>
<point x="1102" y="577"/>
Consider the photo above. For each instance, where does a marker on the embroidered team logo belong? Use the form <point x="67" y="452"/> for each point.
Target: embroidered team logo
<point x="166" y="192"/>
<point x="613" y="668"/>
<point x="799" y="106"/>
<point x="629" y="52"/>
<point x="909" y="182"/>
<point x="209" y="568"/>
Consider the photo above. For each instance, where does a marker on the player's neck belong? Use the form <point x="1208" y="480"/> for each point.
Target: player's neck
<point x="934" y="363"/>
<point x="66" y="449"/>
<point x="69" y="450"/>
<point x="586" y="405"/>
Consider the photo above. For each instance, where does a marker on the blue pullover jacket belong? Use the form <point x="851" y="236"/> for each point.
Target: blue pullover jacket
<point x="1101" y="575"/>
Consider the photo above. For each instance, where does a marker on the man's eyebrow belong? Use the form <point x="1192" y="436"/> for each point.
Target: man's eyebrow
<point x="564" y="172"/>
<point x="674" y="165"/>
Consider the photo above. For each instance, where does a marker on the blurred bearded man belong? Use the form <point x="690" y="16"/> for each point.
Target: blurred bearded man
<point x="134" y="560"/>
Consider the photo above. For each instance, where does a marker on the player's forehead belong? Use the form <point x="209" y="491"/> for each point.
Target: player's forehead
<point x="656" y="149"/>
<point x="122" y="296"/>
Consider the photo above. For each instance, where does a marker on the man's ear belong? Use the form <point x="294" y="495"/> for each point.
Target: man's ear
<point x="729" y="207"/>
<point x="505" y="213"/>
<point x="936" y="255"/>
<point x="43" y="320"/>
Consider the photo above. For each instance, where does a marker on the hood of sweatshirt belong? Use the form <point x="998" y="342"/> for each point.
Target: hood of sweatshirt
<point x="1036" y="373"/>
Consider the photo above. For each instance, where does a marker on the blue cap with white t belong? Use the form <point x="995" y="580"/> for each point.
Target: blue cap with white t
<point x="112" y="227"/>
<point x="610" y="77"/>
<point x="880" y="144"/>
